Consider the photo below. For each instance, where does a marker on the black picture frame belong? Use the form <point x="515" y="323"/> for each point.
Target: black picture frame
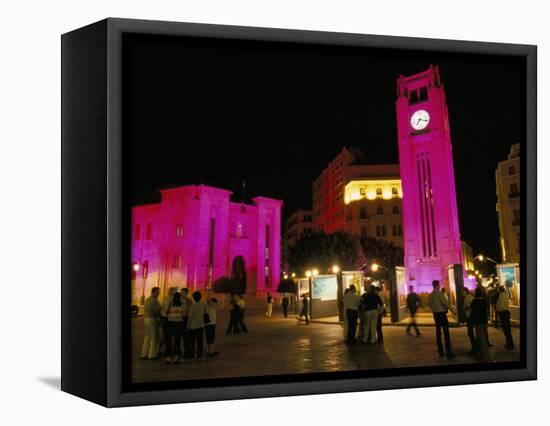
<point x="93" y="231"/>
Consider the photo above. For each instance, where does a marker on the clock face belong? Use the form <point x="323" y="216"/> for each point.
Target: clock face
<point x="420" y="119"/>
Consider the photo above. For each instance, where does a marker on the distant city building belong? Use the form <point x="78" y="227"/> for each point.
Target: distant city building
<point x="468" y="256"/>
<point x="298" y="224"/>
<point x="430" y="212"/>
<point x="508" y="205"/>
<point x="362" y="199"/>
<point x="191" y="237"/>
<point x="373" y="204"/>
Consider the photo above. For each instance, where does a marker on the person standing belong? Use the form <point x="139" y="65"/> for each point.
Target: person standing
<point x="480" y="319"/>
<point x="351" y="309"/>
<point x="371" y="304"/>
<point x="492" y="296"/>
<point x="468" y="299"/>
<point x="174" y="328"/>
<point x="195" y="327"/>
<point x="439" y="305"/>
<point x="151" y="314"/>
<point x="240" y="313"/>
<point x="381" y="314"/>
<point x="210" y="327"/>
<point x="413" y="304"/>
<point x="166" y="301"/>
<point x="187" y="302"/>
<point x="269" y="305"/>
<point x="305" y="308"/>
<point x="502" y="308"/>
<point x="285" y="303"/>
<point x="233" y="326"/>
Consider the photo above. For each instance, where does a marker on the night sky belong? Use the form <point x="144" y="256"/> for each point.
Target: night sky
<point x="217" y="112"/>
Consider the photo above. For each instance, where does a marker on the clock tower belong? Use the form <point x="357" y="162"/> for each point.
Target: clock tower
<point x="430" y="219"/>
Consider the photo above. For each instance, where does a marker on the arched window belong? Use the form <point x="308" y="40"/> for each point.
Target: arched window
<point x="395" y="210"/>
<point x="394" y="191"/>
<point x="363" y="212"/>
<point x="379" y="210"/>
<point x="362" y="191"/>
<point x="378" y="191"/>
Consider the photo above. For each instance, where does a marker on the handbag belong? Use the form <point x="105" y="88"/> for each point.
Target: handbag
<point x="205" y="316"/>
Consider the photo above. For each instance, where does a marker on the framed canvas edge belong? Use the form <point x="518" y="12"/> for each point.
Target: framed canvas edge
<point x="115" y="395"/>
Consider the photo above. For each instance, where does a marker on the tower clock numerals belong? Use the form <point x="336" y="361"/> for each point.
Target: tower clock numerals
<point x="420" y="119"/>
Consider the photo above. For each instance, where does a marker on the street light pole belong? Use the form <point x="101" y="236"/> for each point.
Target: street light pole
<point x="340" y="292"/>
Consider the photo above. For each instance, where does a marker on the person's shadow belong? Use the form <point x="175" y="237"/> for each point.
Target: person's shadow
<point x="54" y="382"/>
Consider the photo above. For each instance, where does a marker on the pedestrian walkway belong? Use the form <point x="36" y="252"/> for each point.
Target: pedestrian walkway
<point x="277" y="345"/>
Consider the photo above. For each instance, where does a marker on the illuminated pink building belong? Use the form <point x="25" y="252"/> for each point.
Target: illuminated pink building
<point x="430" y="219"/>
<point x="192" y="236"/>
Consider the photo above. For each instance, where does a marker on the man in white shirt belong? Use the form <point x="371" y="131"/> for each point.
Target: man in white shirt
<point x="351" y="308"/>
<point x="439" y="305"/>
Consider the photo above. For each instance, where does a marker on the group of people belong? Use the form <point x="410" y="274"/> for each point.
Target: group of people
<point x="476" y="310"/>
<point x="365" y="311"/>
<point x="179" y="321"/>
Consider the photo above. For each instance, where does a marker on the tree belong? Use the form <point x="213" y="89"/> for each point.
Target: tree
<point x="321" y="250"/>
<point x="287" y="286"/>
<point x="238" y="275"/>
<point x="222" y="285"/>
<point x="382" y="252"/>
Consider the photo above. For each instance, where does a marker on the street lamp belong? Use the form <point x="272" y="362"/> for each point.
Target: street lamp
<point x="339" y="291"/>
<point x="374" y="267"/>
<point x="308" y="274"/>
<point x="315" y="272"/>
<point x="294" y="275"/>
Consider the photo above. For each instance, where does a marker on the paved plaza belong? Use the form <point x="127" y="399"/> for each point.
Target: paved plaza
<point x="286" y="346"/>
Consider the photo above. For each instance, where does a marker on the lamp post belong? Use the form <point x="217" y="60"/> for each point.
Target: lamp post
<point x="340" y="291"/>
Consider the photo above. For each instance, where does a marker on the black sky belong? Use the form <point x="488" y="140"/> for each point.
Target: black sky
<point x="217" y="112"/>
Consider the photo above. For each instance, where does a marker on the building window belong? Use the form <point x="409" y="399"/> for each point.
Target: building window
<point x="137" y="232"/>
<point x="363" y="231"/>
<point x="362" y="191"/>
<point x="378" y="191"/>
<point x="145" y="269"/>
<point x="379" y="210"/>
<point x="267" y="238"/>
<point x="394" y="230"/>
<point x="176" y="261"/>
<point x="516" y="219"/>
<point x="363" y="212"/>
<point x="511" y="170"/>
<point x="149" y="231"/>
<point x="423" y="94"/>
<point x="395" y="210"/>
<point x="399" y="230"/>
<point x="381" y="231"/>
<point x="413" y="97"/>
<point x="394" y="191"/>
<point x="179" y="231"/>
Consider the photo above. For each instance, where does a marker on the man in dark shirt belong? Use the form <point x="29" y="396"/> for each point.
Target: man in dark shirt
<point x="285" y="306"/>
<point x="413" y="303"/>
<point x="305" y="308"/>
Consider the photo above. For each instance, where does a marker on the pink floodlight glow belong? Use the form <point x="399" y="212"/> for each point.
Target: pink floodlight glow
<point x="430" y="218"/>
<point x="192" y="236"/>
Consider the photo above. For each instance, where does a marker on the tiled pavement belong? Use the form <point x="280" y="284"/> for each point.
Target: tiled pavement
<point x="286" y="346"/>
